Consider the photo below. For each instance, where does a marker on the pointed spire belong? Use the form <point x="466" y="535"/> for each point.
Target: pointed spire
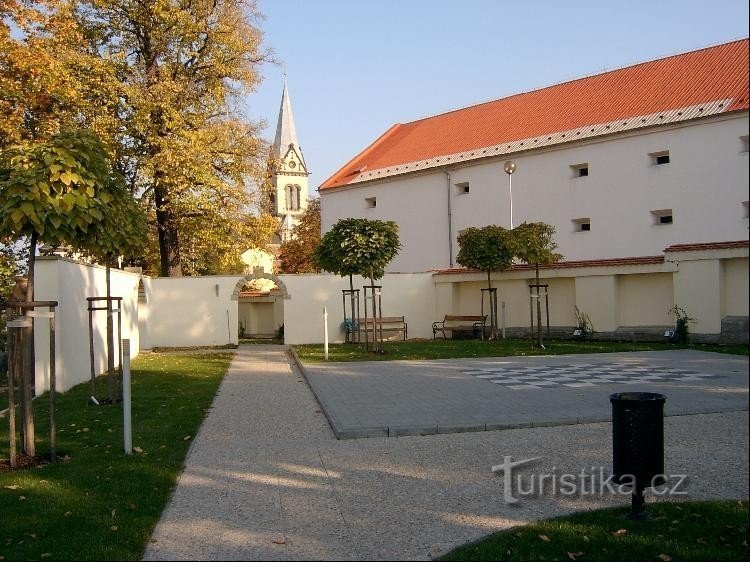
<point x="286" y="133"/>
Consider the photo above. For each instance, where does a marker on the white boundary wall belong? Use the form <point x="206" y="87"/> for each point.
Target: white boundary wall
<point x="710" y="284"/>
<point x="190" y="311"/>
<point x="69" y="283"/>
<point x="404" y="294"/>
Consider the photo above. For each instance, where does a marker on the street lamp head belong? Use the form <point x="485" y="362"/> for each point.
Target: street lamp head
<point x="510" y="167"/>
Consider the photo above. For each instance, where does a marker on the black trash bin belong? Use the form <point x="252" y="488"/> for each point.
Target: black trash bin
<point x="638" y="442"/>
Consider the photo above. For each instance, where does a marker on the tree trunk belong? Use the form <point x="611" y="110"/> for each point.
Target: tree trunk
<point x="354" y="319"/>
<point x="493" y="320"/>
<point x="111" y="386"/>
<point x="28" y="371"/>
<point x="540" y="343"/>
<point x="377" y="342"/>
<point x="169" y="242"/>
<point x="14" y="367"/>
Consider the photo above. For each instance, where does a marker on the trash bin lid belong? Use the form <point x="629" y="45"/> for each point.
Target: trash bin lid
<point x="637" y="397"/>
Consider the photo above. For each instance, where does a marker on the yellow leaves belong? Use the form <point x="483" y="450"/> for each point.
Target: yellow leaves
<point x="545" y="538"/>
<point x="620" y="533"/>
<point x="69" y="177"/>
<point x="574" y="555"/>
<point x="665" y="557"/>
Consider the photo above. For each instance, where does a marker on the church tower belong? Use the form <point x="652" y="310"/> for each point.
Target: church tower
<point x="287" y="197"/>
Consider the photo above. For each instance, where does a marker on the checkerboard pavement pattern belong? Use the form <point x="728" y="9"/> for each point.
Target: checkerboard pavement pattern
<point x="584" y="375"/>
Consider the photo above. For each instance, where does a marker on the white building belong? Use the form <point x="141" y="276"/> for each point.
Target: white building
<point x="287" y="197"/>
<point x="623" y="164"/>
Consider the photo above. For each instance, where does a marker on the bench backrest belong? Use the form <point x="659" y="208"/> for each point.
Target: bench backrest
<point x="385" y="320"/>
<point x="457" y="318"/>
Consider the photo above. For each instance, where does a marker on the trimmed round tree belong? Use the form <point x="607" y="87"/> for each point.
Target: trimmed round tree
<point x="122" y="231"/>
<point x="358" y="247"/>
<point x="56" y="191"/>
<point x="533" y="243"/>
<point x="487" y="249"/>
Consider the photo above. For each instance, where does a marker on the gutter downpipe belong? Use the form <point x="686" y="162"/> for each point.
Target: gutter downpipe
<point x="450" y="219"/>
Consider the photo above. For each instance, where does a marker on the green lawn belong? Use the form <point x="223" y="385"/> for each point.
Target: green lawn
<point x="100" y="503"/>
<point x="684" y="531"/>
<point x="450" y="349"/>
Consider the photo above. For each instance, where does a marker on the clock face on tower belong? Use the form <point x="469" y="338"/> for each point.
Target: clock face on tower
<point x="292" y="165"/>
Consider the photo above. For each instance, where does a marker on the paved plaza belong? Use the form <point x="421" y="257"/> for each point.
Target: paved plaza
<point x="266" y="479"/>
<point x="380" y="398"/>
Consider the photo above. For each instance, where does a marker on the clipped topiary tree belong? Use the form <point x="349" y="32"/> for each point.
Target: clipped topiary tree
<point x="56" y="191"/>
<point x="487" y="249"/>
<point x="122" y="231"/>
<point x="533" y="243"/>
<point x="358" y="247"/>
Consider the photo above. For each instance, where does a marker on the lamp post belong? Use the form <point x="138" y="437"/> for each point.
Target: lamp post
<point x="510" y="167"/>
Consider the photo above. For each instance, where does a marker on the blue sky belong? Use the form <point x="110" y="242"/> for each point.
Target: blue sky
<point x="357" y="67"/>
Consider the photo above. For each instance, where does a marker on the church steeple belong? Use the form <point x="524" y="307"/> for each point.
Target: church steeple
<point x="288" y="199"/>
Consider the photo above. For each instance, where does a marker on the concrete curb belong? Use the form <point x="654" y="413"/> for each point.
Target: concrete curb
<point x="326" y="411"/>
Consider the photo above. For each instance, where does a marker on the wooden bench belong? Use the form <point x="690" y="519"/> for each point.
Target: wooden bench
<point x="388" y="324"/>
<point x="454" y="323"/>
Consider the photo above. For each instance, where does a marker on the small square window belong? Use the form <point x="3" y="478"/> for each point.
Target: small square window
<point x="659" y="158"/>
<point x="662" y="216"/>
<point x="462" y="188"/>
<point x="745" y="143"/>
<point x="745" y="209"/>
<point x="580" y="170"/>
<point x="371" y="202"/>
<point x="582" y="224"/>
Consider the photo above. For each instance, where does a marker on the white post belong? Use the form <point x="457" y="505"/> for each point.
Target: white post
<point x="325" y="333"/>
<point x="126" y="402"/>
<point x="510" y="190"/>
<point x="502" y="318"/>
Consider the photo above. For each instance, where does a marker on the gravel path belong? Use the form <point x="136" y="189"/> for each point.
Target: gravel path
<point x="266" y="479"/>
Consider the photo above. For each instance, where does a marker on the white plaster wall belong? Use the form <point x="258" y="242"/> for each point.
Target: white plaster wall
<point x="697" y="289"/>
<point x="417" y="204"/>
<point x="259" y="316"/>
<point x="409" y="295"/>
<point x="187" y="311"/>
<point x="596" y="296"/>
<point x="70" y="283"/>
<point x="704" y="184"/>
<point x="734" y="294"/>
<point x="645" y="299"/>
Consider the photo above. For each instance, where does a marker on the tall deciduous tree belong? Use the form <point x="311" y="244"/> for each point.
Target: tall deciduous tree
<point x="51" y="78"/>
<point x="298" y="254"/>
<point x="533" y="243"/>
<point x="184" y="145"/>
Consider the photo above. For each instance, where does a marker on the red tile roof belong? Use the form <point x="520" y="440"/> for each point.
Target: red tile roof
<point x="708" y="246"/>
<point x="251" y="294"/>
<point x="715" y="74"/>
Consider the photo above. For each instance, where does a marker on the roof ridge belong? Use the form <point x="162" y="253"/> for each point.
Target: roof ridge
<point x="577" y="79"/>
